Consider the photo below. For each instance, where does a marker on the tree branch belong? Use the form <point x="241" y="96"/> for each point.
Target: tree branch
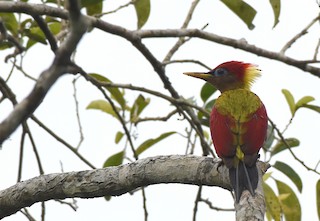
<point x="115" y="181"/>
<point x="41" y="9"/>
<point x="240" y="44"/>
<point x="48" y="77"/>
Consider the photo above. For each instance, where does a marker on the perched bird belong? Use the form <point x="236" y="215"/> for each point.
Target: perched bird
<point x="238" y="122"/>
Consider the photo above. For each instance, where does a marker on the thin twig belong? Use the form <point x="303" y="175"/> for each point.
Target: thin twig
<point x="316" y="51"/>
<point x="25" y="212"/>
<point x="73" y="205"/>
<point x="188" y="61"/>
<point x="77" y="113"/>
<point x="115" y="10"/>
<point x="123" y="123"/>
<point x="12" y="69"/>
<point x="290" y="150"/>
<point x="144" y="204"/>
<point x="60" y="66"/>
<point x="196" y="203"/>
<point x="193" y="120"/>
<point x="207" y="201"/>
<point x="22" y="139"/>
<point x="31" y="9"/>
<point x="73" y="149"/>
<point x="181" y="40"/>
<point x="34" y="147"/>
<point x="139" y="120"/>
<point x="43" y="211"/>
<point x="7" y="92"/>
<point x="299" y="35"/>
<point x="23" y="72"/>
<point x="172" y="100"/>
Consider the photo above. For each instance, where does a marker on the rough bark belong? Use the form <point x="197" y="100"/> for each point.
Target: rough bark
<point x="252" y="208"/>
<point x="118" y="180"/>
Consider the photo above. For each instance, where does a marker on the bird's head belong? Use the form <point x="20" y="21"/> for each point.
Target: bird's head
<point x="229" y="75"/>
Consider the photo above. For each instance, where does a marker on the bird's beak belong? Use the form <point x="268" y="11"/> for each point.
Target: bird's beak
<point x="201" y="75"/>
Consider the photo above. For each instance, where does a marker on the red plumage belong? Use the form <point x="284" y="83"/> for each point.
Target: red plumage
<point x="223" y="138"/>
<point x="238" y="122"/>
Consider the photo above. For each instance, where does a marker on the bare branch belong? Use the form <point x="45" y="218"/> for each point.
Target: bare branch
<point x="73" y="205"/>
<point x="144" y="197"/>
<point x="188" y="61"/>
<point x="207" y="201"/>
<point x="196" y="203"/>
<point x="73" y="149"/>
<point x="182" y="40"/>
<point x="132" y="36"/>
<point x="240" y="44"/>
<point x="316" y="51"/>
<point x="48" y="77"/>
<point x="44" y="27"/>
<point x="299" y="35"/>
<point x="117" y="9"/>
<point x="28" y="215"/>
<point x="122" y="121"/>
<point x="174" y="101"/>
<point x="290" y="150"/>
<point x="77" y="113"/>
<point x="157" y="118"/>
<point x="115" y="181"/>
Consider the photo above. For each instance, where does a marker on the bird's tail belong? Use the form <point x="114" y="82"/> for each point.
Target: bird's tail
<point x="243" y="177"/>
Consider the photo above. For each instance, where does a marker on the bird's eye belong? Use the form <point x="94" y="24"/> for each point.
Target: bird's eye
<point x="220" y="72"/>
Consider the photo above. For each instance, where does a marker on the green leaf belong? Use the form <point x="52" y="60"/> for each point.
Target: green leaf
<point x="150" y="142"/>
<point x="115" y="92"/>
<point x="118" y="137"/>
<point x="312" y="107"/>
<point x="143" y="11"/>
<point x="209" y="105"/>
<point x="290" y="100"/>
<point x="5" y="45"/>
<point x="272" y="202"/>
<point x="270" y="138"/>
<point x="10" y="22"/>
<point x="55" y="27"/>
<point x="303" y="101"/>
<point x="138" y="106"/>
<point x="290" y="173"/>
<point x="244" y="11"/>
<point x="87" y="3"/>
<point x="114" y="160"/>
<point x="266" y="176"/>
<point x="290" y="204"/>
<point x="276" y="7"/>
<point x="35" y="35"/>
<point x="94" y="9"/>
<point x="318" y="197"/>
<point x="103" y="106"/>
<point x="280" y="146"/>
<point x="206" y="91"/>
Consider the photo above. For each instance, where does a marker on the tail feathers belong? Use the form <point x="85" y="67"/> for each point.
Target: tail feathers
<point x="243" y="177"/>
